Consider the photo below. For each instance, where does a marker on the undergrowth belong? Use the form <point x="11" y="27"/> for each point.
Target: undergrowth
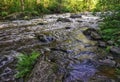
<point x="117" y="71"/>
<point x="110" y="29"/>
<point x="25" y="63"/>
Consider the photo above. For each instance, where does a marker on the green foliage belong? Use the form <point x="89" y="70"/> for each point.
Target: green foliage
<point x="110" y="29"/>
<point x="4" y="13"/>
<point x="59" y="6"/>
<point x="47" y="6"/>
<point x="79" y="5"/>
<point x="41" y="9"/>
<point x="32" y="13"/>
<point x="55" y="67"/>
<point x="25" y="63"/>
<point x="105" y="5"/>
<point x="117" y="71"/>
<point x="108" y="49"/>
<point x="54" y="7"/>
<point x="14" y="6"/>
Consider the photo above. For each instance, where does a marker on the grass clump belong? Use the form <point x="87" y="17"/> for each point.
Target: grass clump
<point x="25" y="63"/>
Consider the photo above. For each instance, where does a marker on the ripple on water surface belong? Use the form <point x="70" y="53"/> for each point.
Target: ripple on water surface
<point x="80" y="72"/>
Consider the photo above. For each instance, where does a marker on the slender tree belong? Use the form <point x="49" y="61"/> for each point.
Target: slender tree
<point x="59" y="5"/>
<point x="22" y="5"/>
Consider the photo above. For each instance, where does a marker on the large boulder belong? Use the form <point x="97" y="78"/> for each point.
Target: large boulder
<point x="44" y="38"/>
<point x="115" y="50"/>
<point x="110" y="42"/>
<point x="43" y="72"/>
<point x="95" y="35"/>
<point x="108" y="62"/>
<point x="68" y="27"/>
<point x="92" y="34"/>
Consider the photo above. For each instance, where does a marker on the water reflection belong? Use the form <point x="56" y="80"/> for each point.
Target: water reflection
<point x="80" y="72"/>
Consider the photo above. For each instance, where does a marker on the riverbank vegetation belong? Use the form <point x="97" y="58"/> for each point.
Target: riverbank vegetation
<point x="45" y="6"/>
<point x="110" y="29"/>
<point x="56" y="6"/>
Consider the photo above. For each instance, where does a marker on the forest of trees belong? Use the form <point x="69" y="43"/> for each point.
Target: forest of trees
<point x="56" y="6"/>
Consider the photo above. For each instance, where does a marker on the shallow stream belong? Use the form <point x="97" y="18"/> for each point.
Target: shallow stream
<point x="67" y="54"/>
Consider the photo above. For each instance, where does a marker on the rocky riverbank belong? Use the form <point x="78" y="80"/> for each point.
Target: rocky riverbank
<point x="68" y="44"/>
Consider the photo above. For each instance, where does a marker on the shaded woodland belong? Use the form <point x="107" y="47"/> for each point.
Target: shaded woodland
<point x="56" y="6"/>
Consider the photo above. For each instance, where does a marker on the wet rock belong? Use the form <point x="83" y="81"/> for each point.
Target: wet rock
<point x="108" y="62"/>
<point x="7" y="75"/>
<point x="92" y="34"/>
<point x="44" y="38"/>
<point x="110" y="57"/>
<point x="7" y="70"/>
<point x="20" y="80"/>
<point x="80" y="21"/>
<point x="85" y="55"/>
<point x="5" y="60"/>
<point x="76" y="16"/>
<point x="95" y="35"/>
<point x="42" y="23"/>
<point x="47" y="49"/>
<point x="118" y="65"/>
<point x="63" y="20"/>
<point x="62" y="50"/>
<point x="68" y="27"/>
<point x="115" y="50"/>
<point x="88" y="31"/>
<point x="43" y="73"/>
<point x="91" y="22"/>
<point x="100" y="20"/>
<point x="110" y="42"/>
<point x="102" y="44"/>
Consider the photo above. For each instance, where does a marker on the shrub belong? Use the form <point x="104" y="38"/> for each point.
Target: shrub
<point x="110" y="29"/>
<point x="4" y="13"/>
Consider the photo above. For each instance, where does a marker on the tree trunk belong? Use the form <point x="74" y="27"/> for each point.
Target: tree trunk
<point x="59" y="5"/>
<point x="22" y="5"/>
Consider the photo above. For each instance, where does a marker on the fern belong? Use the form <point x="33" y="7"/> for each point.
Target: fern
<point x="25" y="63"/>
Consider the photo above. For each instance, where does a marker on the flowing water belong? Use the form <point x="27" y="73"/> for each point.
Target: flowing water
<point x="67" y="54"/>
